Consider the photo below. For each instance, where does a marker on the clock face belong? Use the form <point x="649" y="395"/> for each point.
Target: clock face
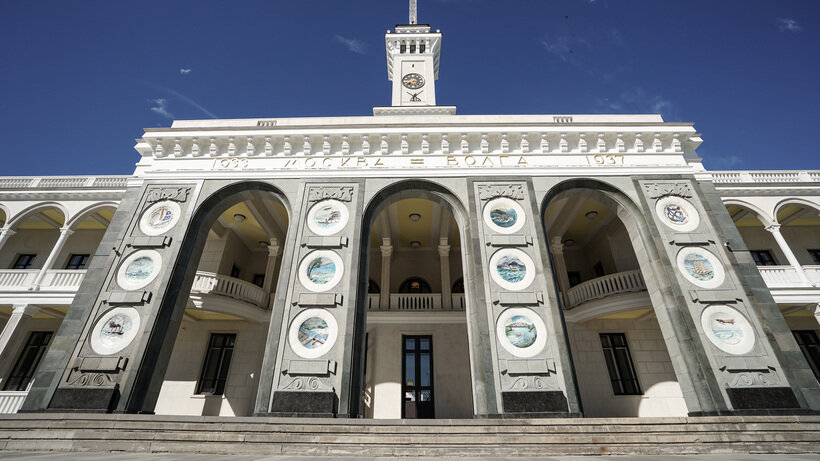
<point x="413" y="81"/>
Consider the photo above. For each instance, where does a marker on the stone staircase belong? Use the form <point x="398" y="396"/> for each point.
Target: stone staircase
<point x="405" y="438"/>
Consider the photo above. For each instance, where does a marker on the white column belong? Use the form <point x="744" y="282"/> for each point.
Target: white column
<point x="5" y="233"/>
<point x="384" y="296"/>
<point x="64" y="234"/>
<point x="784" y="247"/>
<point x="560" y="268"/>
<point x="446" y="290"/>
<point x="270" y="269"/>
<point x="13" y="335"/>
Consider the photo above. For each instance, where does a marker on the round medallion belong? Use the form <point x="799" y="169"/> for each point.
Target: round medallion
<point x="115" y="330"/>
<point x="327" y="217"/>
<point x="512" y="269"/>
<point x="321" y="270"/>
<point x="677" y="213"/>
<point x="701" y="267"/>
<point x="504" y="215"/>
<point x="312" y="333"/>
<point x="412" y="81"/>
<point x="159" y="218"/>
<point x="521" y="332"/>
<point x="139" y="269"/>
<point x="728" y="329"/>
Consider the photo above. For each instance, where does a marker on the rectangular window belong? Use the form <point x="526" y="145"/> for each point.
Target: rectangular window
<point x="763" y="257"/>
<point x="815" y="256"/>
<point x="217" y="362"/>
<point x="30" y="357"/>
<point x="76" y="262"/>
<point x="259" y="280"/>
<point x="599" y="269"/>
<point x="574" y="278"/>
<point x="810" y="345"/>
<point x="23" y="262"/>
<point x="619" y="363"/>
<point x="235" y="271"/>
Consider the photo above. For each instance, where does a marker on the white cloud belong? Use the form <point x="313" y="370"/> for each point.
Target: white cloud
<point x="637" y="101"/>
<point x="564" y="46"/>
<point x="788" y="25"/>
<point x="184" y="71"/>
<point x="353" y="45"/>
<point x="160" y="106"/>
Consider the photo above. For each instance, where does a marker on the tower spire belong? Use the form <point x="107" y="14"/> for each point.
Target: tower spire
<point x="414" y="16"/>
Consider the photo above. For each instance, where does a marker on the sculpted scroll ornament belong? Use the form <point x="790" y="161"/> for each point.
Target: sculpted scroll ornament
<point x="527" y="383"/>
<point x="80" y="379"/>
<point x="657" y="190"/>
<point x="490" y="191"/>
<point x="341" y="193"/>
<point x="177" y="194"/>
<point x="304" y="383"/>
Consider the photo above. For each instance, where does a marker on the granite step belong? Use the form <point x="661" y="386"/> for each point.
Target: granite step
<point x="406" y="438"/>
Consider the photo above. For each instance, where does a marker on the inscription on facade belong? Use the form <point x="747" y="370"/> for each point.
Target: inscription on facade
<point x="176" y="194"/>
<point x="656" y="190"/>
<point x="342" y="193"/>
<point x="513" y="191"/>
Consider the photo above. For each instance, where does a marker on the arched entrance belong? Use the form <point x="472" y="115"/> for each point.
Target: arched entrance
<point x="621" y="362"/>
<point x="220" y="315"/>
<point x="416" y="362"/>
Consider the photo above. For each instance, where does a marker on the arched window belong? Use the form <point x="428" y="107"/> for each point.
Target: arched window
<point x="415" y="285"/>
<point x="372" y="287"/>
<point x="458" y="287"/>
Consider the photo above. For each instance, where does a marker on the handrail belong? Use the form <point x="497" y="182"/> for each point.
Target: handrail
<point x="608" y="285"/>
<point x="212" y="283"/>
<point x="415" y="301"/>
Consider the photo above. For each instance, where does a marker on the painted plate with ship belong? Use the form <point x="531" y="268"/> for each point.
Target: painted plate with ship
<point x="160" y="217"/>
<point x="677" y="213"/>
<point x="512" y="269"/>
<point x="521" y="332"/>
<point x="727" y="329"/>
<point x="313" y="333"/>
<point x="115" y="330"/>
<point x="504" y="215"/>
<point x="701" y="267"/>
<point x="139" y="269"/>
<point x="327" y="217"/>
<point x="321" y="270"/>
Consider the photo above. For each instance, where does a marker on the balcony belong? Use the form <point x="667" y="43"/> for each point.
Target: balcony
<point x="206" y="283"/>
<point x="11" y="401"/>
<point x="411" y="302"/>
<point x="602" y="287"/>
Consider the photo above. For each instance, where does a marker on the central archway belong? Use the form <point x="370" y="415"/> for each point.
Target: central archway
<point x="417" y="358"/>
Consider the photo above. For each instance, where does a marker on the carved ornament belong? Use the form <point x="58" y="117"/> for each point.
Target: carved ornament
<point x="657" y="190"/>
<point x="341" y="193"/>
<point x="491" y="191"/>
<point x="176" y="194"/>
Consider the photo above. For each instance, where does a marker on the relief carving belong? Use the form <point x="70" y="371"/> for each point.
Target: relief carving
<point x="176" y="194"/>
<point x="520" y="383"/>
<point x="657" y="190"/>
<point x="80" y="379"/>
<point x="341" y="193"/>
<point x="754" y="378"/>
<point x="513" y="191"/>
<point x="304" y="383"/>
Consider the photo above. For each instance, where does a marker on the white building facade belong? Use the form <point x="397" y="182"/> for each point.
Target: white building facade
<point x="413" y="264"/>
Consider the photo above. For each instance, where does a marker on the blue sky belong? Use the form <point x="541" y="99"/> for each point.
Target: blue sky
<point x="81" y="79"/>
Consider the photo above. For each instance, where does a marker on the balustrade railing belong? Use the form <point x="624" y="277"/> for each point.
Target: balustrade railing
<point x="17" y="279"/>
<point x="373" y="301"/>
<point x="211" y="283"/>
<point x="63" y="182"/>
<point x="780" y="276"/>
<point x="459" y="302"/>
<point x="415" y="301"/>
<point x="11" y="401"/>
<point x="67" y="279"/>
<point x="608" y="285"/>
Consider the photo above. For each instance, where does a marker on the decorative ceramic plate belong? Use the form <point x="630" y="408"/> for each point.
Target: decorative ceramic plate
<point x="521" y="332"/>
<point x="504" y="215"/>
<point x="312" y="333"/>
<point x="701" y="267"/>
<point x="512" y="269"/>
<point x="728" y="329"/>
<point x="115" y="330"/>
<point x="139" y="269"/>
<point x="327" y="217"/>
<point x="160" y="217"/>
<point x="321" y="270"/>
<point x="677" y="213"/>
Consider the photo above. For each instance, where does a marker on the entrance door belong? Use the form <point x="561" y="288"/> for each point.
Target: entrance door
<point x="417" y="377"/>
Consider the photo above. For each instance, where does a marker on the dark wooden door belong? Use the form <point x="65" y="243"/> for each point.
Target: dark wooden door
<point x="417" y="377"/>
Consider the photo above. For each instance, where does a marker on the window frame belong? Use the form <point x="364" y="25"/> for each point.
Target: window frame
<point x="80" y="267"/>
<point x="812" y="358"/>
<point x="16" y="262"/>
<point x="755" y="256"/>
<point x="221" y="368"/>
<point x="610" y="351"/>
<point x="815" y="255"/>
<point x="24" y="380"/>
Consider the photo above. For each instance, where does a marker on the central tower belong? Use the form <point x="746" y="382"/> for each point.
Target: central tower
<point x="413" y="55"/>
